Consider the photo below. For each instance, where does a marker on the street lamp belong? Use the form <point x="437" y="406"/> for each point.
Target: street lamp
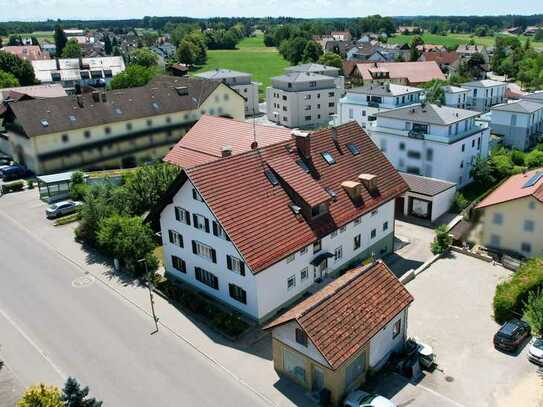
<point x="150" y="287"/>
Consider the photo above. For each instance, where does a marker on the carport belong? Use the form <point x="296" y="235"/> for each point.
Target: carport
<point x="55" y="187"/>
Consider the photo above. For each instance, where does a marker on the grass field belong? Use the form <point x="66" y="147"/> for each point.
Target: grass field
<point x="252" y="57"/>
<point x="40" y="35"/>
<point x="452" y="40"/>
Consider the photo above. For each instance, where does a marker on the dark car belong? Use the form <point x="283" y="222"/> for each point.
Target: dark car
<point x="511" y="335"/>
<point x="13" y="172"/>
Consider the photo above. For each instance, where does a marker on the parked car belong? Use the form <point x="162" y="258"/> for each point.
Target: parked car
<point x="12" y="172"/>
<point x="535" y="352"/>
<point x="61" y="209"/>
<point x="360" y="398"/>
<point x="511" y="335"/>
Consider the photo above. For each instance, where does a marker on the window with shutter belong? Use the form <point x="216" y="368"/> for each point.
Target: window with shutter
<point x="179" y="264"/>
<point x="207" y="278"/>
<point x="235" y="264"/>
<point x="200" y="222"/>
<point x="204" y="250"/>
<point x="237" y="293"/>
<point x="175" y="238"/>
<point x="182" y="215"/>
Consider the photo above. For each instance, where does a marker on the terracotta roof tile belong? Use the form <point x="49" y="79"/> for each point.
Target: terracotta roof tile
<point x="514" y="188"/>
<point x="256" y="214"/>
<point x="342" y="317"/>
<point x="414" y="72"/>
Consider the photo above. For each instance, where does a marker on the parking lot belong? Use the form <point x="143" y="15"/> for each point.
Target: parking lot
<point x="452" y="313"/>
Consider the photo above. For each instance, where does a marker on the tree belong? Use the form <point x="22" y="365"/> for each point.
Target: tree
<point x="312" y="52"/>
<point x="434" y="91"/>
<point x="8" y="80"/>
<point x="133" y="76"/>
<point x="442" y="240"/>
<point x="331" y="59"/>
<point x="71" y="50"/>
<point x="34" y="40"/>
<point x="292" y="50"/>
<point x="19" y="68"/>
<point x="60" y="39"/>
<point x="538" y="35"/>
<point x="414" y="53"/>
<point x="126" y="238"/>
<point x="534" y="159"/>
<point x="144" y="57"/>
<point x="14" y="40"/>
<point x="108" y="46"/>
<point x="41" y="396"/>
<point x="187" y="52"/>
<point x="533" y="312"/>
<point x="482" y="172"/>
<point x="74" y="396"/>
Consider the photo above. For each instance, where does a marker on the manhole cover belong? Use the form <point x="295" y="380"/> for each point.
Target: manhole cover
<point x="449" y="378"/>
<point x="83" y="281"/>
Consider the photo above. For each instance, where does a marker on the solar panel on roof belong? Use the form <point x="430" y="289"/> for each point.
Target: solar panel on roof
<point x="271" y="177"/>
<point x="533" y="180"/>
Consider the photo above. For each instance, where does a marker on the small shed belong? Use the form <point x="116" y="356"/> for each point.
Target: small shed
<point x="55" y="187"/>
<point x="427" y="198"/>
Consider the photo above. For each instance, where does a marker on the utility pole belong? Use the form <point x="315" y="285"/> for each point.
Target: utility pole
<point x="150" y="287"/>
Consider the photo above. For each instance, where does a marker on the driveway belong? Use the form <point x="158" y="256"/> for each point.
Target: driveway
<point x="452" y="312"/>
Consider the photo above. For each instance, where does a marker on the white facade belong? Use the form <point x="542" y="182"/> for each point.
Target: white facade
<point x="287" y="334"/>
<point x="443" y="152"/>
<point x="285" y="280"/>
<point x="519" y="123"/>
<point x="250" y="92"/>
<point x="385" y="342"/>
<point x="456" y="97"/>
<point x="362" y="104"/>
<point x="485" y="93"/>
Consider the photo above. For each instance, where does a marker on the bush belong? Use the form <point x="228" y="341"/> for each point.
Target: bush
<point x="78" y="191"/>
<point x="460" y="202"/>
<point x="533" y="312"/>
<point x="30" y="184"/>
<point x="442" y="240"/>
<point x="511" y="295"/>
<point x="12" y="187"/>
<point x="517" y="157"/>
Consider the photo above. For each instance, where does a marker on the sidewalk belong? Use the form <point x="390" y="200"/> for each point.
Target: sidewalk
<point x="10" y="388"/>
<point x="249" y="363"/>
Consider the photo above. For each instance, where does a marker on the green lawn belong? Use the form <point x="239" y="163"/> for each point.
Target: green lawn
<point x="252" y="57"/>
<point x="452" y="40"/>
<point x="40" y="35"/>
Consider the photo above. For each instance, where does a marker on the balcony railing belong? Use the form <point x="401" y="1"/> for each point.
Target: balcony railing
<point x="374" y="104"/>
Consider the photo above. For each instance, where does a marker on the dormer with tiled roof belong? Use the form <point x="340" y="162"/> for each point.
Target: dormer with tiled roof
<point x="286" y="215"/>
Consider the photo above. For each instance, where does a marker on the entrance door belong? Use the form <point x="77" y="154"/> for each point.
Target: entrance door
<point x="317" y="383"/>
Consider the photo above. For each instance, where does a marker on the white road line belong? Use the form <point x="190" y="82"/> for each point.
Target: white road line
<point x="32" y="343"/>
<point x="440" y="395"/>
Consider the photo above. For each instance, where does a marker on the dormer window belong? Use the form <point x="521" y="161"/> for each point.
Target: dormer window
<point x="328" y="158"/>
<point x="319" y="210"/>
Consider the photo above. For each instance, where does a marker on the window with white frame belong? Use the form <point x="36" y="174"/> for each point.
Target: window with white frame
<point x="304" y="274"/>
<point x="207" y="278"/>
<point x="291" y="282"/>
<point x="200" y="222"/>
<point x="204" y="251"/>
<point x="301" y="337"/>
<point x="219" y="231"/>
<point x="357" y="242"/>
<point x="234" y="264"/>
<point x="182" y="215"/>
<point x="497" y="219"/>
<point x="317" y="246"/>
<point x="338" y="253"/>
<point x="175" y="238"/>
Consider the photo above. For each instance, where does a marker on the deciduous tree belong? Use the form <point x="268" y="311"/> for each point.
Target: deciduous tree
<point x="41" y="395"/>
<point x="71" y="50"/>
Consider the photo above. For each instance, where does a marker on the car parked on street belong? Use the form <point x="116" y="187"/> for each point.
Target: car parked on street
<point x="511" y="335"/>
<point x="13" y="172"/>
<point x="61" y="208"/>
<point x="360" y="398"/>
<point x="535" y="352"/>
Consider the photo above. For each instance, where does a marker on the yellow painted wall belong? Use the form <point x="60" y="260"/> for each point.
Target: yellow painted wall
<point x="334" y="380"/>
<point x="511" y="231"/>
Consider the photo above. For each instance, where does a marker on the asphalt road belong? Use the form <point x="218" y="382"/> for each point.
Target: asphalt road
<point x="54" y="324"/>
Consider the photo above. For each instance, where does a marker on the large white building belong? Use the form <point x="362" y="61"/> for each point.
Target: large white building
<point x="434" y="141"/>
<point x="256" y="230"/>
<point x="362" y="103"/>
<point x="456" y="96"/>
<point x="485" y="93"/>
<point x="520" y="123"/>
<point x="306" y="96"/>
<point x="73" y="73"/>
<point x="241" y="82"/>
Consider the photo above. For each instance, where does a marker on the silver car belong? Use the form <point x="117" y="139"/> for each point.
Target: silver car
<point x="61" y="209"/>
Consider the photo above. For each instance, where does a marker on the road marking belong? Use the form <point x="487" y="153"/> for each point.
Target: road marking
<point x="440" y="395"/>
<point x="32" y="343"/>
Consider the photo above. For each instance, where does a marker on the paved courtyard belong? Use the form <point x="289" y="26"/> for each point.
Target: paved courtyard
<point x="452" y="313"/>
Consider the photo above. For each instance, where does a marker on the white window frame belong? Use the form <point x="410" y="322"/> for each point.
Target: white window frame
<point x="291" y="282"/>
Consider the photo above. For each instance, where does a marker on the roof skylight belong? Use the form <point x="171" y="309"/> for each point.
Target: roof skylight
<point x="328" y="157"/>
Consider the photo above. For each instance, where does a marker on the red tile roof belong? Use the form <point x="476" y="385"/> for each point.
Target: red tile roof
<point x="204" y="141"/>
<point x="414" y="72"/>
<point x="256" y="214"/>
<point x="27" y="52"/>
<point x="442" y="58"/>
<point x="342" y="317"/>
<point x="514" y="188"/>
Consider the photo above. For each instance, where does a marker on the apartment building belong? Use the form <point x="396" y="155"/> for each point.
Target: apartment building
<point x="73" y="73"/>
<point x="520" y="123"/>
<point x="362" y="103"/>
<point x="512" y="216"/>
<point x="485" y="93"/>
<point x="257" y="230"/>
<point x="456" y="96"/>
<point x="241" y="82"/>
<point x="320" y="69"/>
<point x="430" y="140"/>
<point x="302" y="99"/>
<point x="113" y="128"/>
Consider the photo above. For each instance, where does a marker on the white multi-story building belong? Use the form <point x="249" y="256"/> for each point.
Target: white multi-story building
<point x="485" y="93"/>
<point x="256" y="230"/>
<point x="239" y="81"/>
<point x="456" y="96"/>
<point x="320" y="69"/>
<point x="361" y="104"/>
<point x="434" y="141"/>
<point x="520" y="123"/>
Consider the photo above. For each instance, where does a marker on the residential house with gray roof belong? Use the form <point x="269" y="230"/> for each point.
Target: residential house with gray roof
<point x="520" y="122"/>
<point x="485" y="94"/>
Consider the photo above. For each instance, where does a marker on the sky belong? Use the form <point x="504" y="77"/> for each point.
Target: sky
<point x="118" y="9"/>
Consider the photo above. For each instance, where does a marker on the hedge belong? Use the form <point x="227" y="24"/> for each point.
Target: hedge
<point x="12" y="187"/>
<point x="512" y="294"/>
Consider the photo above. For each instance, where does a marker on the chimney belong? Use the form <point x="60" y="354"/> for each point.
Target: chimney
<point x="370" y="183"/>
<point x="104" y="97"/>
<point x="226" y="151"/>
<point x="95" y="96"/>
<point x="303" y="143"/>
<point x="353" y="189"/>
<point x="334" y="134"/>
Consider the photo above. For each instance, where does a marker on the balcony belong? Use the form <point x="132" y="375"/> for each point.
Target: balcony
<point x="374" y="104"/>
<point x="417" y="134"/>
